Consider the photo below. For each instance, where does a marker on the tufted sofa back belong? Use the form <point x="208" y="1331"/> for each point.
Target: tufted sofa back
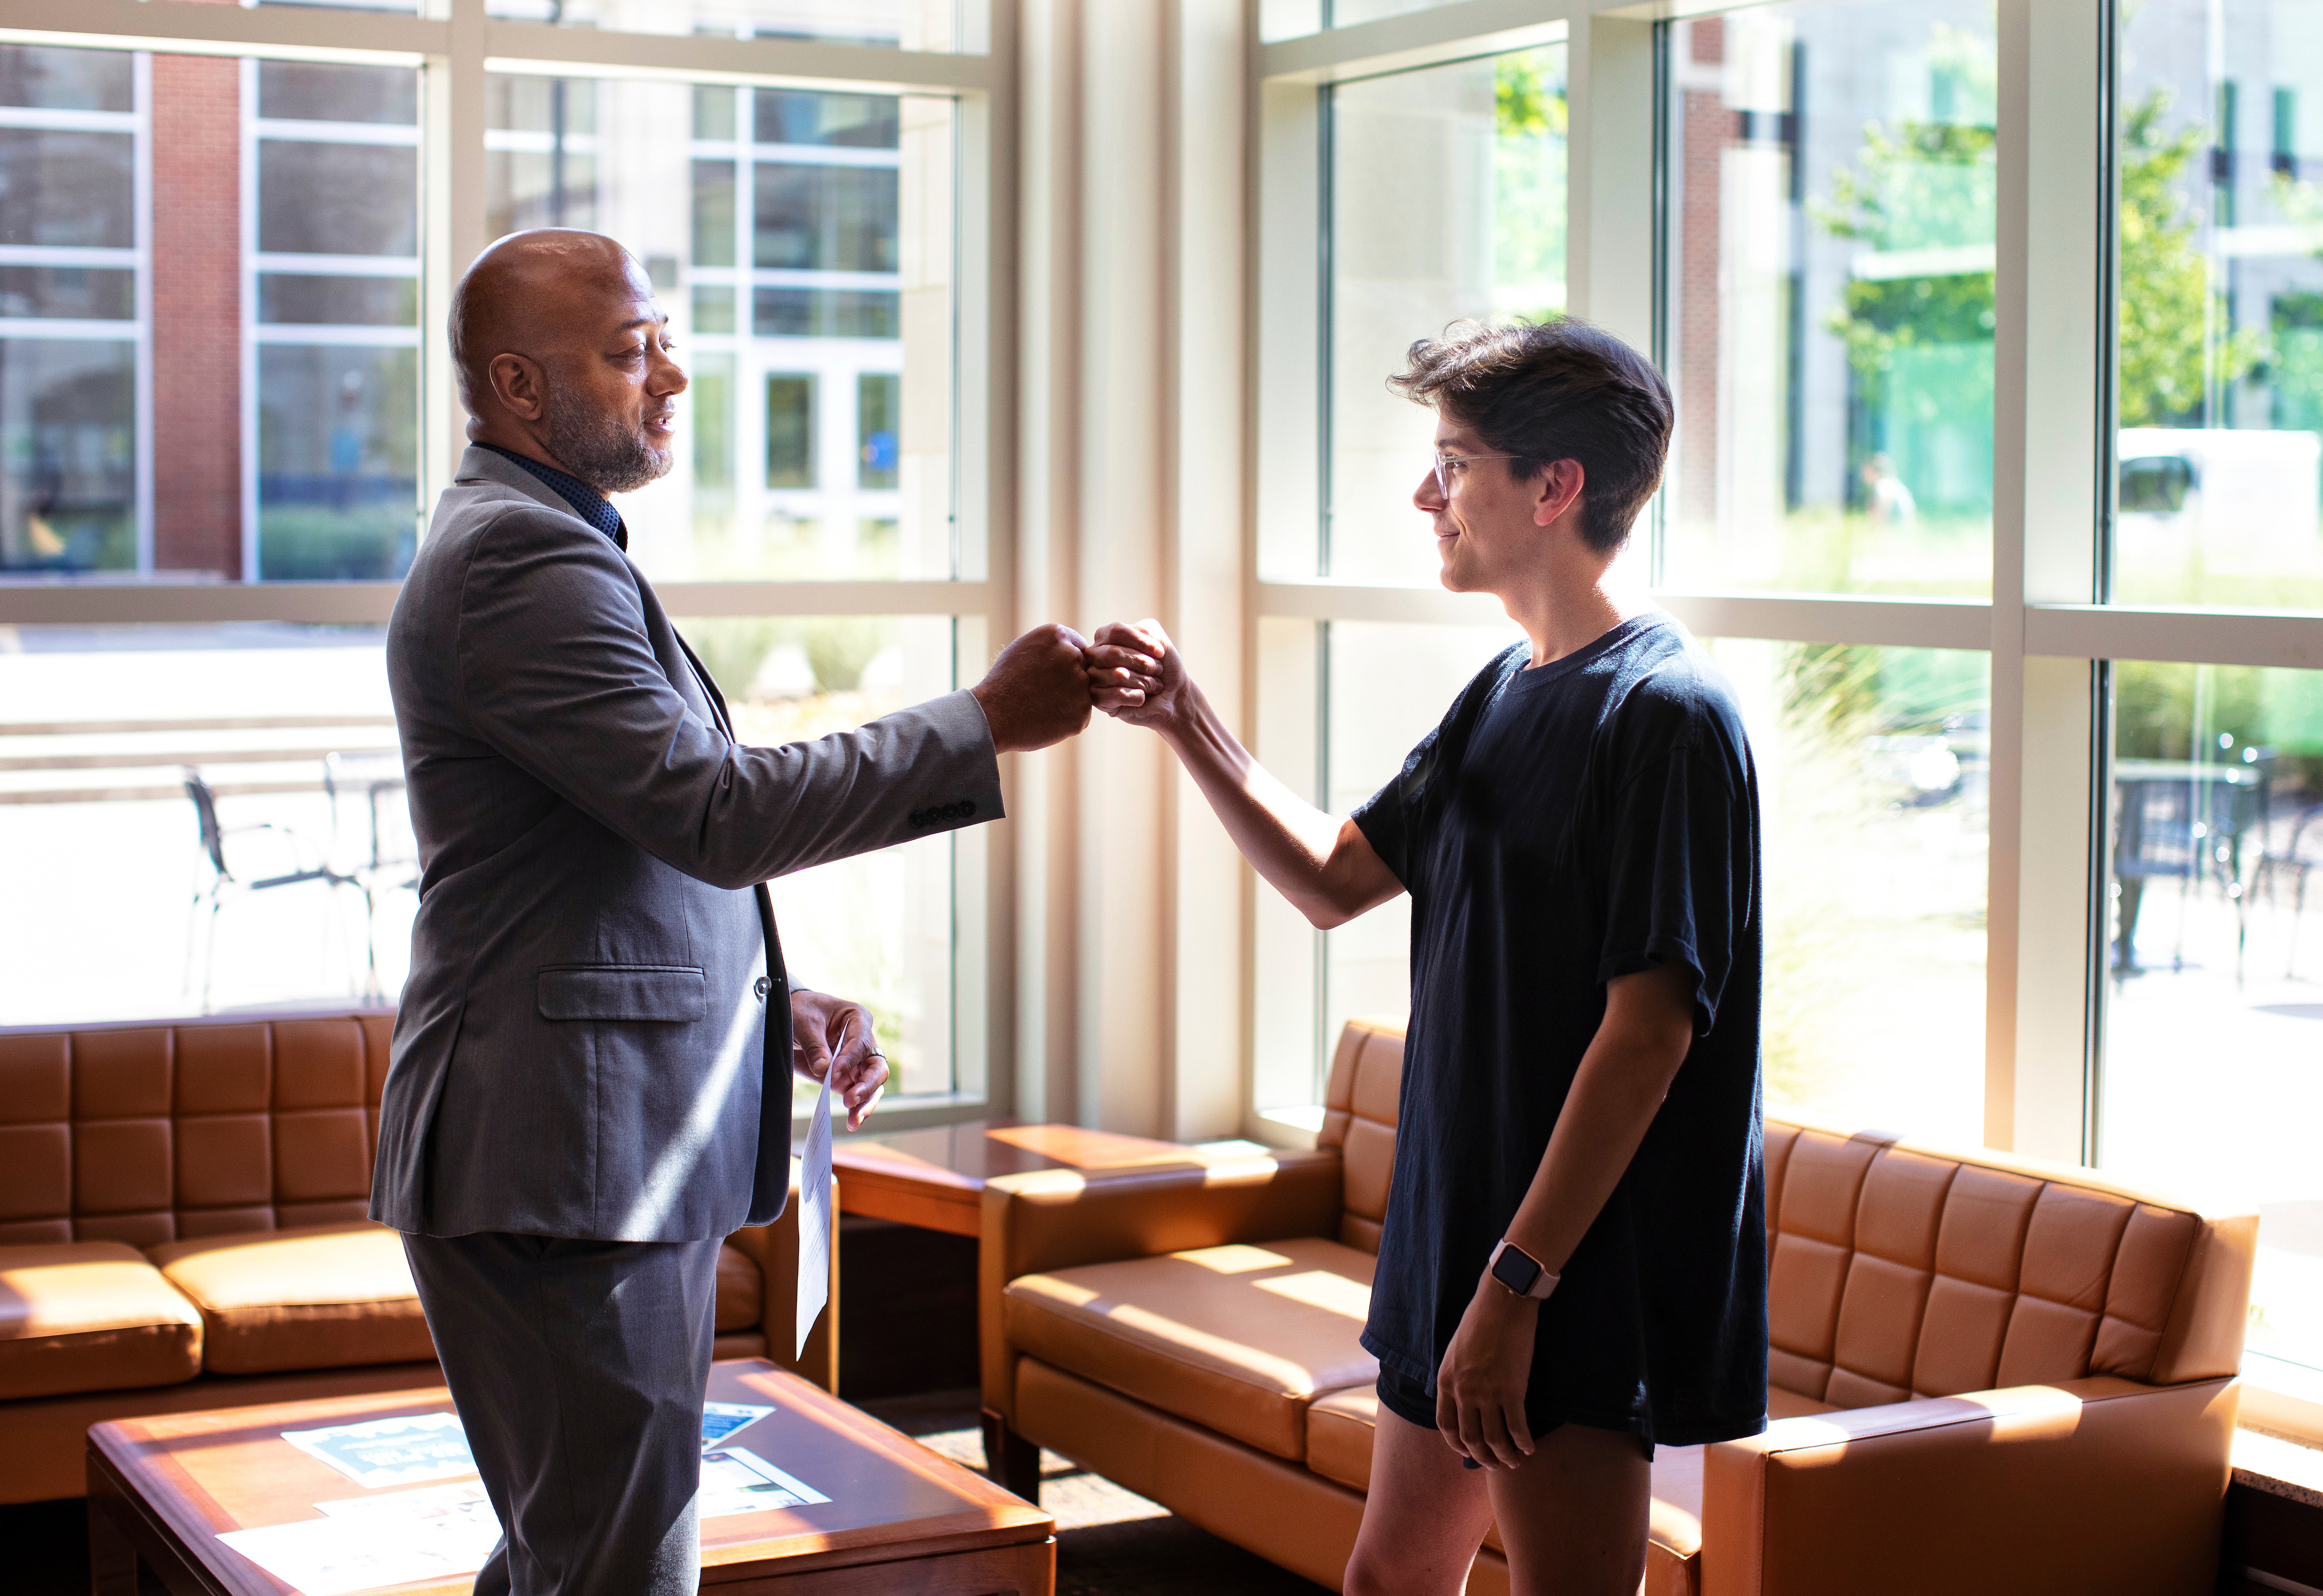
<point x="1359" y="1109"/>
<point x="1897" y="1272"/>
<point x="153" y="1133"/>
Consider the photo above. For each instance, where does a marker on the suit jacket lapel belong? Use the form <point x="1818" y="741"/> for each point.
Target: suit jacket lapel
<point x="709" y="688"/>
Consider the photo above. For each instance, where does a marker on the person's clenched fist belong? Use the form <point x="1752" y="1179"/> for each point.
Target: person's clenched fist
<point x="1136" y="673"/>
<point x="1037" y="691"/>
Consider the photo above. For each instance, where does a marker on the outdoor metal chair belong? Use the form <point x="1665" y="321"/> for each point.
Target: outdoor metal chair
<point x="2299" y="857"/>
<point x="224" y="882"/>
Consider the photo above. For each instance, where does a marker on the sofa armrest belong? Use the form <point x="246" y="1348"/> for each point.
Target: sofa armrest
<point x="1061" y="1218"/>
<point x="774" y="1248"/>
<point x="2099" y="1484"/>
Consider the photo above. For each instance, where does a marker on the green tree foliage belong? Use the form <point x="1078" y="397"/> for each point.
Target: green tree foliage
<point x="1529" y="94"/>
<point x="2165" y="284"/>
<point x="1926" y="185"/>
<point x="1528" y="181"/>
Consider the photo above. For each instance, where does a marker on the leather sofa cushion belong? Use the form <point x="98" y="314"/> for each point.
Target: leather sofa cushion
<point x="741" y="1292"/>
<point x="90" y="1316"/>
<point x="1339" y="1426"/>
<point x="1238" y="1338"/>
<point x="315" y="1296"/>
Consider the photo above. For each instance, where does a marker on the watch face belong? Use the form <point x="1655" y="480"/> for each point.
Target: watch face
<point x="1516" y="1271"/>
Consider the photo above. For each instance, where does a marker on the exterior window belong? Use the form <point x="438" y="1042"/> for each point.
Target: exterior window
<point x="790" y="432"/>
<point x="2214" y="1017"/>
<point x="70" y="344"/>
<point x="540" y="154"/>
<point x="1384" y="685"/>
<point x="335" y="302"/>
<point x="783" y="268"/>
<point x="877" y="927"/>
<point x="2218" y="370"/>
<point x="1829" y="256"/>
<point x="1874" y="806"/>
<point x="1448" y="200"/>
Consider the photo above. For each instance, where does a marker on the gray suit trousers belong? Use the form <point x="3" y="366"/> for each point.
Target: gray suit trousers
<point x="578" y="1367"/>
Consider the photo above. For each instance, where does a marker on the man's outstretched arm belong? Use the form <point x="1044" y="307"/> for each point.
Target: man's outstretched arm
<point x="556" y="673"/>
<point x="1323" y="866"/>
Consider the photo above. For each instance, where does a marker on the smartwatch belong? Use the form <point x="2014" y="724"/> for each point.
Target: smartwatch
<point x="1520" y="1271"/>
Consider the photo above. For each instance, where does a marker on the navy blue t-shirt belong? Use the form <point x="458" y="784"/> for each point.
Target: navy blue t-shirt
<point x="1563" y="825"/>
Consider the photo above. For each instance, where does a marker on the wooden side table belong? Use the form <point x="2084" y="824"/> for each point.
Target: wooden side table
<point x="934" y="1179"/>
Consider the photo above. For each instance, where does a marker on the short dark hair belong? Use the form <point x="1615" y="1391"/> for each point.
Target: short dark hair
<point x="1558" y="390"/>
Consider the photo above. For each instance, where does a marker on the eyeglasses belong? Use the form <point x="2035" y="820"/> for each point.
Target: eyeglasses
<point x="1447" y="464"/>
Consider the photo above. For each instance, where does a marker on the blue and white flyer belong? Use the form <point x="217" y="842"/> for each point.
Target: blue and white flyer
<point x="392" y="1451"/>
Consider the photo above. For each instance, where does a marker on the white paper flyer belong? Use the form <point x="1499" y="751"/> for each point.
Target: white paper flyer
<point x="737" y="1481"/>
<point x="436" y="1533"/>
<point x="392" y="1451"/>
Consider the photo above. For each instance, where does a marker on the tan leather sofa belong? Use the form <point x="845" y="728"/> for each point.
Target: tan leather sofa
<point x="1989" y="1375"/>
<point x="183" y="1227"/>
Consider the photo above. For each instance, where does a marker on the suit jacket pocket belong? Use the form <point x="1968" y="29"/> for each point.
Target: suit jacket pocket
<point x="675" y="993"/>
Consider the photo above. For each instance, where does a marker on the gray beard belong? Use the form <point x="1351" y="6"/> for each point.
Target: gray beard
<point x="599" y="451"/>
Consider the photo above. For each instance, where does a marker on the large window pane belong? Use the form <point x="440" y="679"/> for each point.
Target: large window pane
<point x="879" y="928"/>
<point x="1872" y="781"/>
<point x="1379" y="688"/>
<point x="291" y="731"/>
<point x="2220" y="369"/>
<point x="103" y="842"/>
<point x="2214" y="1019"/>
<point x="1389" y="684"/>
<point x="1448" y="200"/>
<point x="802" y="243"/>
<point x="1829" y="235"/>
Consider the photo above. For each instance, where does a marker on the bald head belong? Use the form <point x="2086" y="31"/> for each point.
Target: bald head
<point x="562" y="355"/>
<point x="520" y="296"/>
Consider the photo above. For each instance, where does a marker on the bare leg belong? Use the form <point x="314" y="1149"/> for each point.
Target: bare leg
<point x="1423" y="1519"/>
<point x="1573" y="1518"/>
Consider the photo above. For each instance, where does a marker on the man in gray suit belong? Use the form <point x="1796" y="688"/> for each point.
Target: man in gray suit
<point x="590" y="1086"/>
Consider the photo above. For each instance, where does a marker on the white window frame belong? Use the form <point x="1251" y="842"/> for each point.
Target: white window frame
<point x="456" y="46"/>
<point x="2044" y="633"/>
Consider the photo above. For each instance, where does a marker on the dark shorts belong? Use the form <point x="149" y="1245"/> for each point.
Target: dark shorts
<point x="1409" y="1400"/>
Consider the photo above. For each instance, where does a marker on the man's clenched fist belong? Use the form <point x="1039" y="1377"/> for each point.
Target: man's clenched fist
<point x="1037" y="691"/>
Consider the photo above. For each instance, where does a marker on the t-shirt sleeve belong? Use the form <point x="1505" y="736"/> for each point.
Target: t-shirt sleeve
<point x="1679" y="877"/>
<point x="1386" y="818"/>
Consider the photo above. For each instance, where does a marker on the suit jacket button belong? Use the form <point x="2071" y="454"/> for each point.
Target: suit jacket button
<point x="764" y="986"/>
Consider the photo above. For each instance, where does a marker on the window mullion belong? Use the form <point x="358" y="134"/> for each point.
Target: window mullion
<point x="2046" y="367"/>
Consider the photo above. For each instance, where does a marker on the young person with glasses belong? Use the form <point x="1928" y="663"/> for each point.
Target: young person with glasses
<point x="1573" y="1267"/>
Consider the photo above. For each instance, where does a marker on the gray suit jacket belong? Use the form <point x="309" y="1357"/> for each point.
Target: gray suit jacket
<point x="594" y="1039"/>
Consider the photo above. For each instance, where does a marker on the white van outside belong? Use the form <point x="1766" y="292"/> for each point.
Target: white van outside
<point x="2218" y="501"/>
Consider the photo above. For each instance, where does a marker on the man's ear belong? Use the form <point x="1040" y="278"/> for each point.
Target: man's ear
<point x="1556" y="491"/>
<point x="518" y="385"/>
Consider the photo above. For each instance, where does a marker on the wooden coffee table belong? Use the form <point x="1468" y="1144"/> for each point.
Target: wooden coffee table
<point x="900" y="1517"/>
<point x="934" y="1179"/>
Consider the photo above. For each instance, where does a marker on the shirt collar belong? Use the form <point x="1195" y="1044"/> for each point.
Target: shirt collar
<point x="587" y="503"/>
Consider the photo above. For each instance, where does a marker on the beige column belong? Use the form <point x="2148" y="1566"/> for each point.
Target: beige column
<point x="1132" y="505"/>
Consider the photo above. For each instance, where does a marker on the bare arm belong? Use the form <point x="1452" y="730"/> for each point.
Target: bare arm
<point x="1325" y="866"/>
<point x="1644" y="1038"/>
<point x="1648" y="1029"/>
